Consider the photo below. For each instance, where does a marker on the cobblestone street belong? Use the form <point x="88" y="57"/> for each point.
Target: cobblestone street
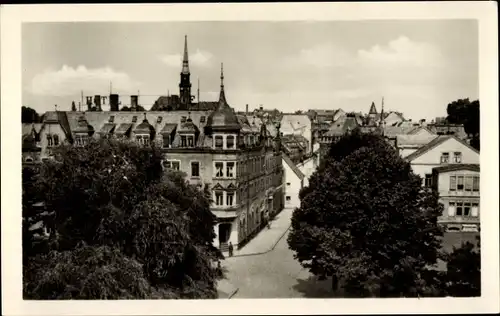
<point x="275" y="273"/>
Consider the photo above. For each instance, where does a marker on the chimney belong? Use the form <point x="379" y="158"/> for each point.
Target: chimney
<point x="113" y="102"/>
<point x="89" y="103"/>
<point x="133" y="102"/>
<point x="97" y="102"/>
<point x="246" y="111"/>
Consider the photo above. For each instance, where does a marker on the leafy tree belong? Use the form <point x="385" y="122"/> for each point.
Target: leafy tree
<point x="121" y="227"/>
<point x="365" y="221"/>
<point x="73" y="106"/>
<point x="463" y="275"/>
<point x="465" y="112"/>
<point x="29" y="115"/>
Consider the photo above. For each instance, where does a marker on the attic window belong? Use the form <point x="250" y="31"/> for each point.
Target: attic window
<point x="202" y="119"/>
<point x="159" y="119"/>
<point x="111" y="118"/>
<point x="183" y="119"/>
<point x="134" y="119"/>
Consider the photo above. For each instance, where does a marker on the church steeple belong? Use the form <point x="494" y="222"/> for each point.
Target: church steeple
<point x="185" y="60"/>
<point x="185" y="84"/>
<point x="222" y="95"/>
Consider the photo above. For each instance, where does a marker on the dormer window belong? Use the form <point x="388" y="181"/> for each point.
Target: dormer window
<point x="202" y="119"/>
<point x="219" y="141"/>
<point x="190" y="140"/>
<point x="230" y="143"/>
<point x="143" y="139"/>
<point x="160" y="118"/>
<point x="111" y="119"/>
<point x="134" y="119"/>
<point x="166" y="141"/>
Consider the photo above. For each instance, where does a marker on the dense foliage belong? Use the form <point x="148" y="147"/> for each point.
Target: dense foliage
<point x="365" y="221"/>
<point x="463" y="275"/>
<point x="465" y="112"/>
<point x="105" y="221"/>
<point x="29" y="115"/>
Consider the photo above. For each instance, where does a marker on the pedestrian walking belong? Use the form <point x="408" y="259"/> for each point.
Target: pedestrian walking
<point x="230" y="249"/>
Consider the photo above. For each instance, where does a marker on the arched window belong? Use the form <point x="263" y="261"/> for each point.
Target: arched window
<point x="28" y="159"/>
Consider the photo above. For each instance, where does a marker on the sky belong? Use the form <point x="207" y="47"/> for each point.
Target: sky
<point x="418" y="67"/>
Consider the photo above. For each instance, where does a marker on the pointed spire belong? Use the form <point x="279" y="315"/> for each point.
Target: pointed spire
<point x="222" y="95"/>
<point x="373" y="109"/>
<point x="185" y="60"/>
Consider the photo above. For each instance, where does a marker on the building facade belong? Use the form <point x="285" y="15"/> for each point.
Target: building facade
<point x="459" y="192"/>
<point x="239" y="163"/>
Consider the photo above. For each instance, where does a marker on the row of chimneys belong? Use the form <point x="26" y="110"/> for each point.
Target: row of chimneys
<point x="261" y="108"/>
<point x="114" y="102"/>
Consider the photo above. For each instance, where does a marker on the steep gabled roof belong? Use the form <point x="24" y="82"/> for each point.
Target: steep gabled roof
<point x="292" y="166"/>
<point x="434" y="143"/>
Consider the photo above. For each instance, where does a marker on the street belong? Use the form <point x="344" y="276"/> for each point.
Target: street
<point x="274" y="274"/>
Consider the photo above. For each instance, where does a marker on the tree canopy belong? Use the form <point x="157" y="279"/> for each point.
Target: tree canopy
<point x="29" y="115"/>
<point x="105" y="221"/>
<point x="463" y="111"/>
<point x="366" y="221"/>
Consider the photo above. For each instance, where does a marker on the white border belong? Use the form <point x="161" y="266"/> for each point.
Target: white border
<point x="11" y="18"/>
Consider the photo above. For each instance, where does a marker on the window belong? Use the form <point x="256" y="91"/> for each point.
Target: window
<point x="195" y="169"/>
<point x="230" y="141"/>
<point x="451" y="209"/>
<point x="229" y="198"/>
<point x="219" y="169"/>
<point x="475" y="210"/>
<point x="159" y="119"/>
<point x="475" y="184"/>
<point x="183" y="141"/>
<point x="218" y="141"/>
<point x="142" y="139"/>
<point x="453" y="183"/>
<point x="460" y="183"/>
<point x="190" y="140"/>
<point x="183" y="119"/>
<point x="445" y="157"/>
<point x="176" y="165"/>
<point x="171" y="164"/>
<point x="166" y="141"/>
<point x="134" y="119"/>
<point x="230" y="169"/>
<point x="428" y="180"/>
<point x="28" y="159"/>
<point x="466" y="209"/>
<point x="49" y="141"/>
<point x="56" y="140"/>
<point x="202" y="119"/>
<point x="288" y="183"/>
<point x="457" y="157"/>
<point x="288" y="198"/>
<point x="468" y="184"/>
<point x="219" y="198"/>
<point x="80" y="140"/>
<point x="459" y="210"/>
<point x="111" y="118"/>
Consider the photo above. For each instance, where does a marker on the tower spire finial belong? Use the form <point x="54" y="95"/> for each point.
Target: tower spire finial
<point x="222" y="95"/>
<point x="185" y="60"/>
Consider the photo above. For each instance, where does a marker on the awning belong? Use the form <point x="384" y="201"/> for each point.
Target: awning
<point x="107" y="128"/>
<point x="123" y="128"/>
<point x="168" y="128"/>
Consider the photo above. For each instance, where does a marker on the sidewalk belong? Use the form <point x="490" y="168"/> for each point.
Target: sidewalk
<point x="267" y="238"/>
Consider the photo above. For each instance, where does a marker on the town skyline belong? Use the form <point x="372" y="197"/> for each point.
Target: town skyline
<point x="413" y="68"/>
